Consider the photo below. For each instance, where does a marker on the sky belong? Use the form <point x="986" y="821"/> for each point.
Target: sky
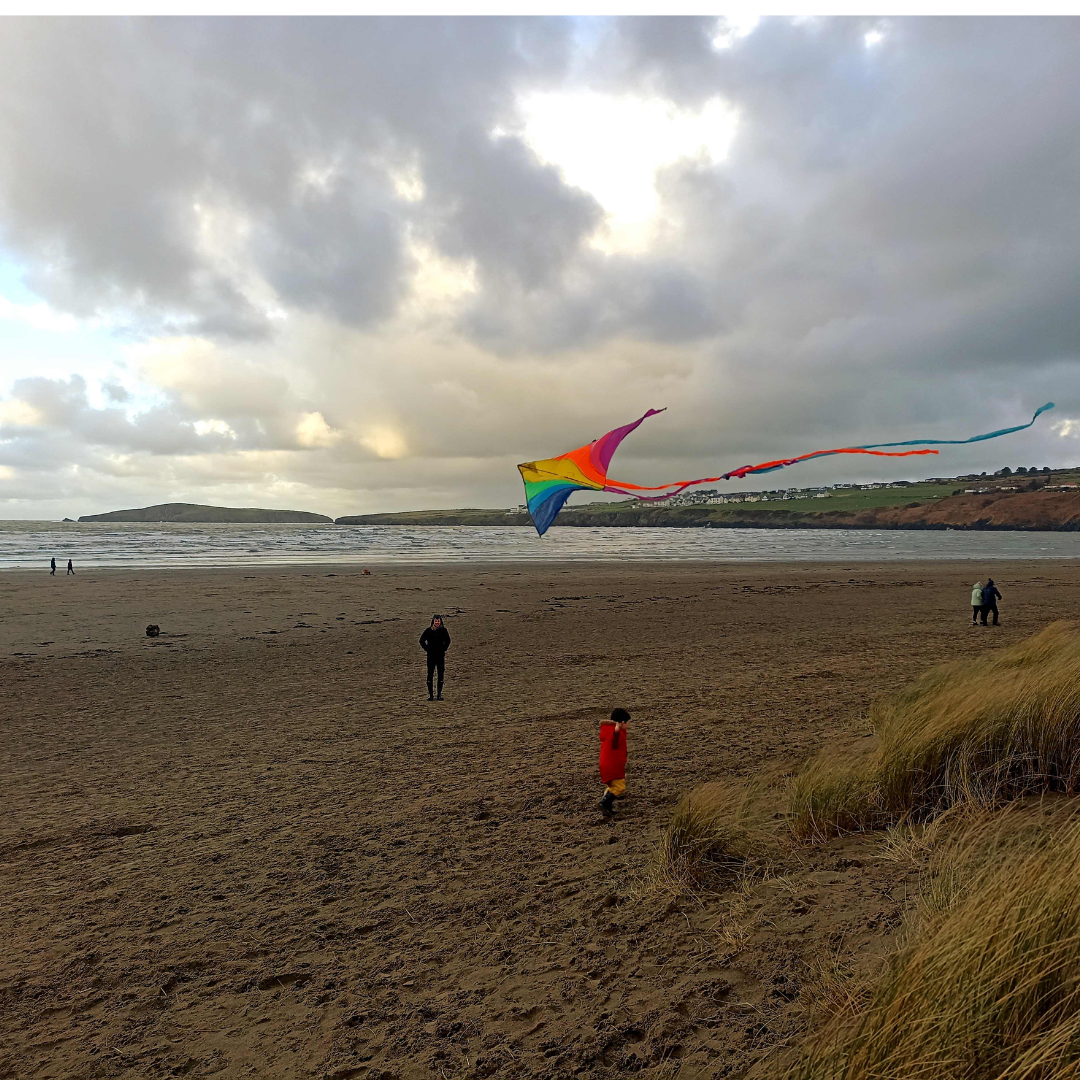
<point x="370" y="264"/>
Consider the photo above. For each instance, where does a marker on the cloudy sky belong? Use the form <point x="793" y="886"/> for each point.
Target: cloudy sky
<point x="371" y="264"/>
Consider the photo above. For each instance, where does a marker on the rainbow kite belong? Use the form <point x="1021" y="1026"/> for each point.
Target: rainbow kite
<point x="549" y="483"/>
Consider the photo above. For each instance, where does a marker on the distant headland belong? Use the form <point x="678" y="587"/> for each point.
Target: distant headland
<point x="196" y="514"/>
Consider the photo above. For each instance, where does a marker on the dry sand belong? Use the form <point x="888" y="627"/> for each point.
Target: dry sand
<point x="251" y="847"/>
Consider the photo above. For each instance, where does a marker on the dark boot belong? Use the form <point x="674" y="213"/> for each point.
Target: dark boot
<point x="607" y="804"/>
<point x="440" y="691"/>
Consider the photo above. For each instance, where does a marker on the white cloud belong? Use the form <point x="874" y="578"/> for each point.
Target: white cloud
<point x="43" y="317"/>
<point x="385" y="442"/>
<point x="214" y="379"/>
<point x="732" y="28"/>
<point x="19" y="414"/>
<point x="612" y="146"/>
<point x="438" y="284"/>
<point x="408" y="183"/>
<point x="313" y="431"/>
<point x="214" y="427"/>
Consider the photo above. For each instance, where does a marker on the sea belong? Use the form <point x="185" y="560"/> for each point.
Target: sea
<point x="28" y="545"/>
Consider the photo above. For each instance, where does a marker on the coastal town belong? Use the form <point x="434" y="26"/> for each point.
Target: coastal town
<point x="981" y="484"/>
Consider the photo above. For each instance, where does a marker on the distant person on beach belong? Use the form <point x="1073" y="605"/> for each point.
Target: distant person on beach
<point x="435" y="640"/>
<point x="53" y="565"/>
<point x="990" y="597"/>
<point x="976" y="602"/>
<point x="71" y="569"/>
<point x="613" y="759"/>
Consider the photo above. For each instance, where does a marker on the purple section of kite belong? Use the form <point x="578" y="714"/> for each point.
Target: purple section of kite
<point x="604" y="448"/>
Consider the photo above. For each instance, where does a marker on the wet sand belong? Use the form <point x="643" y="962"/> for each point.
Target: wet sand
<point x="251" y="847"/>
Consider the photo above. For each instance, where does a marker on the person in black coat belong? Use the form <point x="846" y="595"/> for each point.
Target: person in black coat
<point x="990" y="598"/>
<point x="435" y="640"/>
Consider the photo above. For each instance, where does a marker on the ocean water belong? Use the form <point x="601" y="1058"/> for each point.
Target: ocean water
<point x="30" y="544"/>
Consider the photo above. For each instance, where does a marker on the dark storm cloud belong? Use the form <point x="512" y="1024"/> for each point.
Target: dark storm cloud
<point x="336" y="254"/>
<point x="519" y="222"/>
<point x="896" y="220"/>
<point x="654" y="299"/>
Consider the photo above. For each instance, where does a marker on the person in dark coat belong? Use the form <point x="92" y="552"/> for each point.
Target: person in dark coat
<point x="435" y="640"/>
<point x="990" y="598"/>
<point x="71" y="569"/>
<point x="53" y="565"/>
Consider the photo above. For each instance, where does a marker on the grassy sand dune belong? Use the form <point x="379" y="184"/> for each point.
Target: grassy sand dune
<point x="970" y="773"/>
<point x="982" y="730"/>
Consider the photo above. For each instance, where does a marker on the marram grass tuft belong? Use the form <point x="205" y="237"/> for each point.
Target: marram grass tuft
<point x="718" y="831"/>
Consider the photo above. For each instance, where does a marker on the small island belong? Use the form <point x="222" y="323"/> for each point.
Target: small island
<point x="196" y="514"/>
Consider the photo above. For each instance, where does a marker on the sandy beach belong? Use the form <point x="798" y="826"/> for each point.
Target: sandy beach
<point x="251" y="846"/>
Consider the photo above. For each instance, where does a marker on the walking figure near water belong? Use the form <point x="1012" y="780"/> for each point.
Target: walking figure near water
<point x="435" y="640"/>
<point x="976" y="602"/>
<point x="71" y="569"/>
<point x="52" y="564"/>
<point x="990" y="597"/>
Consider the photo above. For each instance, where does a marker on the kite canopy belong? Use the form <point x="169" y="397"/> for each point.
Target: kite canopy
<point x="550" y="482"/>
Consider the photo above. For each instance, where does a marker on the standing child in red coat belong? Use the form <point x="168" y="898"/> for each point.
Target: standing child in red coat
<point x="613" y="759"/>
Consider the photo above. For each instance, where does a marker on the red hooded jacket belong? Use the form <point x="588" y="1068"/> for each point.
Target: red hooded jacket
<point x="612" y="753"/>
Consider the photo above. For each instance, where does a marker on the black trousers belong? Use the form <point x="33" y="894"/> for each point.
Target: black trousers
<point x="975" y="610"/>
<point x="987" y="609"/>
<point x="435" y="662"/>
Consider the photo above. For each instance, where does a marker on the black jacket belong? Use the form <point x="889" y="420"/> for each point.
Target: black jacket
<point x="435" y="641"/>
<point x="990" y="595"/>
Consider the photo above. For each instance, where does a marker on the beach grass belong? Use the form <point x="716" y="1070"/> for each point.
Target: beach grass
<point x="979" y="731"/>
<point x="720" y="830"/>
<point x="986" y="984"/>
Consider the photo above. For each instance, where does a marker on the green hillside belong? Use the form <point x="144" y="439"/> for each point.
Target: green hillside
<point x="196" y="514"/>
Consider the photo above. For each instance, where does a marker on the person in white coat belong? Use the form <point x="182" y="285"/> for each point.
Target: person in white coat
<point x="976" y="602"/>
